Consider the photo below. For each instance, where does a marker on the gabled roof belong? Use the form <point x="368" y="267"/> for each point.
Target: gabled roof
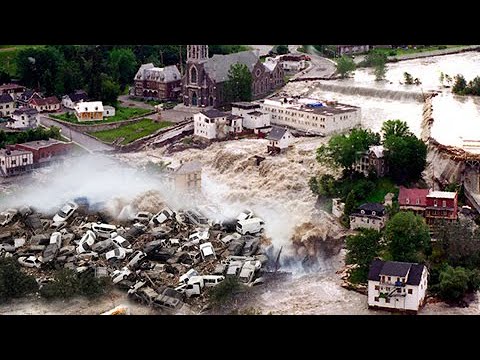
<point x="78" y="95"/>
<point x="27" y="95"/>
<point x="25" y="111"/>
<point x="415" y="274"/>
<point x="412" y="195"/>
<point x="377" y="207"/>
<point x="217" y="66"/>
<point x="52" y="100"/>
<point x="214" y="113"/>
<point x="377" y="150"/>
<point x="276" y="134"/>
<point x="5" y="87"/>
<point x="5" y="98"/>
<point x="395" y="268"/>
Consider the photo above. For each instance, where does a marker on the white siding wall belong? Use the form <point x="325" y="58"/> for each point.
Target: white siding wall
<point x="68" y="103"/>
<point x="203" y="129"/>
<point x="23" y="121"/>
<point x="357" y="222"/>
<point x="408" y="302"/>
<point x="12" y="161"/>
<point x="249" y="121"/>
<point x="7" y="109"/>
<point x="285" y="141"/>
<point x="308" y="120"/>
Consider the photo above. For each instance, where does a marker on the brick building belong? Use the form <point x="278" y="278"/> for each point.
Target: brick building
<point x="45" y="151"/>
<point x="441" y="206"/>
<point x="158" y="83"/>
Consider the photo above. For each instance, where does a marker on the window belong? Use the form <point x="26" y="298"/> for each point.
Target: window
<point x="417" y="202"/>
<point x="25" y="160"/>
<point x="410" y="291"/>
<point x="444" y="203"/>
<point x="377" y="287"/>
<point x="14" y="162"/>
<point x="407" y="201"/>
<point x="376" y="299"/>
<point x="387" y="300"/>
<point x="399" y="290"/>
<point x="389" y="278"/>
<point x="434" y="202"/>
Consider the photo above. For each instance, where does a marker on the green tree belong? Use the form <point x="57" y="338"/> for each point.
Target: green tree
<point x="406" y="157"/>
<point x="65" y="285"/>
<point x="282" y="49"/>
<point x="474" y="86"/>
<point x="110" y="90"/>
<point x="395" y="128"/>
<point x="460" y="84"/>
<point x="453" y="283"/>
<point x="378" y="61"/>
<point x="361" y="250"/>
<point x="238" y="87"/>
<point x="345" y="150"/>
<point x="4" y="77"/>
<point x="407" y="237"/>
<point x="327" y="186"/>
<point x="345" y="66"/>
<point x="350" y="203"/>
<point x="408" y="78"/>
<point x="13" y="282"/>
<point x="313" y="185"/>
<point x="122" y="65"/>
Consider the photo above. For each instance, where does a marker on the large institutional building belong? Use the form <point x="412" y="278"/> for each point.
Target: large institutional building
<point x="204" y="79"/>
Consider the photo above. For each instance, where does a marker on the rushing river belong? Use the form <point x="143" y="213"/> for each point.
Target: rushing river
<point x="455" y="116"/>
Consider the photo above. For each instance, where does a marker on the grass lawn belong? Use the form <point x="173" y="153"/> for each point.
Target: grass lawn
<point x="131" y="132"/>
<point x="399" y="51"/>
<point x="121" y="113"/>
<point x="382" y="188"/>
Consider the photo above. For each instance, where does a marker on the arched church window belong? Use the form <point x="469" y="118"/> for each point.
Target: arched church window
<point x="193" y="75"/>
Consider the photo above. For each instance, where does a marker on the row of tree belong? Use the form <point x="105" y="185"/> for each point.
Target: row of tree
<point x="29" y="135"/>
<point x="461" y="87"/>
<point x="378" y="61"/>
<point x="404" y="153"/>
<point x="104" y="71"/>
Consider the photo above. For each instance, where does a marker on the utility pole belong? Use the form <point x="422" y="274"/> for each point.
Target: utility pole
<point x="180" y="57"/>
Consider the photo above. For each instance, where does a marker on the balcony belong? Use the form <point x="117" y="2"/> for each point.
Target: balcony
<point x="392" y="283"/>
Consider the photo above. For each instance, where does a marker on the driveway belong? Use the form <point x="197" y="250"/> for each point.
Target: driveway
<point x="125" y="101"/>
<point x="86" y="142"/>
<point x="321" y="67"/>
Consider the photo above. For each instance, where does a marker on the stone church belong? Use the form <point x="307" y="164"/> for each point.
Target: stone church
<point x="204" y="78"/>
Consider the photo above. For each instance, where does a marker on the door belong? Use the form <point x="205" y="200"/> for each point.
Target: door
<point x="194" y="98"/>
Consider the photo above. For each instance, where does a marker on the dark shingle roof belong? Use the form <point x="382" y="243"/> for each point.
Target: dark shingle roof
<point x="277" y="133"/>
<point x="395" y="268"/>
<point x="218" y="66"/>
<point x="78" y="96"/>
<point x="26" y="111"/>
<point x="415" y="274"/>
<point x="377" y="207"/>
<point x="213" y="113"/>
<point x="5" y="98"/>
<point x="375" y="268"/>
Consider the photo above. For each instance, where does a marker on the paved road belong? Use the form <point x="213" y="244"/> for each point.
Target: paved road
<point x="84" y="141"/>
<point x="320" y="66"/>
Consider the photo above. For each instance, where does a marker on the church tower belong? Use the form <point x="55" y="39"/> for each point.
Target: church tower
<point x="197" y="53"/>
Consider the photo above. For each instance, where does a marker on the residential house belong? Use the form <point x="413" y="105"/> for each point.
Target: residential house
<point x="7" y="105"/>
<point x="203" y="83"/>
<point x="279" y="139"/>
<point x="108" y="111"/>
<point x="15" y="162"/>
<point x="373" y="160"/>
<point x="441" y="206"/>
<point x="351" y="49"/>
<point x="23" y="118"/>
<point x="414" y="200"/>
<point x="28" y="95"/>
<point x="368" y="216"/>
<point x="215" y="124"/>
<point x="397" y="286"/>
<point x="185" y="177"/>
<point x="312" y="116"/>
<point x="45" y="151"/>
<point x="158" y="83"/>
<point x="48" y="104"/>
<point x="253" y="118"/>
<point x="71" y="100"/>
<point x="293" y="62"/>
<point x="89" y="111"/>
<point x="14" y="90"/>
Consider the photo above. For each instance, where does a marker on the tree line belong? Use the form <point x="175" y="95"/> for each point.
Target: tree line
<point x="104" y="71"/>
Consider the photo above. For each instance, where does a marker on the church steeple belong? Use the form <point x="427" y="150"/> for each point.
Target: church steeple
<point x="196" y="53"/>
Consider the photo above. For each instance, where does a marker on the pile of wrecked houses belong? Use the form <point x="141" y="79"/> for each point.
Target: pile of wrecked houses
<point x="165" y="260"/>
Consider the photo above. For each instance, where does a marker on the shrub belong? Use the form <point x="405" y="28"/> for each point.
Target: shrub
<point x="13" y="282"/>
<point x="222" y="292"/>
